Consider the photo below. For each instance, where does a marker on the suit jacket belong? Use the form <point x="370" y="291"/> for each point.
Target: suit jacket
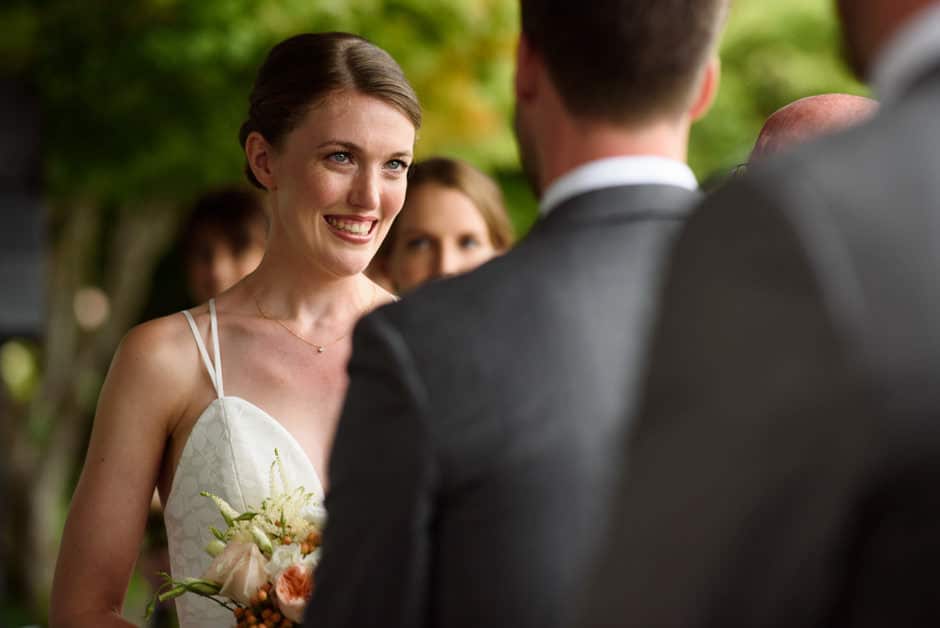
<point x="785" y="467"/>
<point x="469" y="467"/>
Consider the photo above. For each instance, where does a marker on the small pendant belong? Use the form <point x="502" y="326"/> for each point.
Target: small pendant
<point x="320" y="349"/>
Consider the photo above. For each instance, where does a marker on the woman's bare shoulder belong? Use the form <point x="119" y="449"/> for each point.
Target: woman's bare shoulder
<point x="162" y="351"/>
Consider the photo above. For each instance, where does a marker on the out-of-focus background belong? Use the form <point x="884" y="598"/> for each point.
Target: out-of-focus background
<point x="114" y="116"/>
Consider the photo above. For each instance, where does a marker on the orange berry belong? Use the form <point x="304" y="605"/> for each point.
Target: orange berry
<point x="287" y="540"/>
<point x="239" y="612"/>
<point x="262" y="596"/>
<point x="314" y="538"/>
<point x="276" y="617"/>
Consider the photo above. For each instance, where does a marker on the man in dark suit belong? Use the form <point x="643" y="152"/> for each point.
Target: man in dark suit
<point x="785" y="468"/>
<point x="468" y="475"/>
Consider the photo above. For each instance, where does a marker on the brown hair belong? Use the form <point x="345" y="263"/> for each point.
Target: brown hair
<point x="482" y="191"/>
<point x="302" y="70"/>
<point x="623" y="60"/>
<point x="233" y="213"/>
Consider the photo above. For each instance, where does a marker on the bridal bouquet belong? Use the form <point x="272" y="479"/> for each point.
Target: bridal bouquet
<point x="262" y="567"/>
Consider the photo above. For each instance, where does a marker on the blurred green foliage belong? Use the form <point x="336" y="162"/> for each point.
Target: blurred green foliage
<point x="772" y="54"/>
<point x="144" y="99"/>
<point x="19" y="369"/>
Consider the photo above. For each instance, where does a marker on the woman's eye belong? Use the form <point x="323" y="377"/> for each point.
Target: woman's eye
<point x="469" y="242"/>
<point x="341" y="158"/>
<point x="397" y="165"/>
<point x="417" y="244"/>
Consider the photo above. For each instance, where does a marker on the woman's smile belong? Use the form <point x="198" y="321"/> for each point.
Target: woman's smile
<point x="353" y="229"/>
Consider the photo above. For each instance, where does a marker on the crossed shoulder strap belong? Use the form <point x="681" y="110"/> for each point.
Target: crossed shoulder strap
<point x="214" y="368"/>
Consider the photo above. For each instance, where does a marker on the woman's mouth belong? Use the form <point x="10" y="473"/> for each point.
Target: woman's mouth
<point x="352" y="228"/>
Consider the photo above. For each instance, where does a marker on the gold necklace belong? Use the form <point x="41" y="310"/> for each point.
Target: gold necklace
<point x="319" y="347"/>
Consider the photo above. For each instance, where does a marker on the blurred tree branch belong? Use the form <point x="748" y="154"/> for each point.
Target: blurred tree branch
<point x="48" y="437"/>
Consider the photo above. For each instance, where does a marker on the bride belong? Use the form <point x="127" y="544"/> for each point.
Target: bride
<point x="199" y="401"/>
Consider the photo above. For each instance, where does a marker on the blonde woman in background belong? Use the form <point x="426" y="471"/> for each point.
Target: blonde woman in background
<point x="454" y="219"/>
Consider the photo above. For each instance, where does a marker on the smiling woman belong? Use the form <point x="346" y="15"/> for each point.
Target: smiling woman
<point x="337" y="181"/>
<point x="329" y="138"/>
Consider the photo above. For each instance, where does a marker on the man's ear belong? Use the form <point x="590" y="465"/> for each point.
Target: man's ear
<point x="527" y="62"/>
<point x="708" y="89"/>
<point x="260" y="156"/>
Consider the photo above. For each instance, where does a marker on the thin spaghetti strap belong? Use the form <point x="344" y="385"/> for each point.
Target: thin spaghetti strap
<point x="214" y="324"/>
<point x="202" y="350"/>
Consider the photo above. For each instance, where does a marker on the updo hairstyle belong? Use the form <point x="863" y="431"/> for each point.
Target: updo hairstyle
<point x="301" y="71"/>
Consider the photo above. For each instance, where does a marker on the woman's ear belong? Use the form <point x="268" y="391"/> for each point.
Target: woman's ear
<point x="707" y="90"/>
<point x="260" y="156"/>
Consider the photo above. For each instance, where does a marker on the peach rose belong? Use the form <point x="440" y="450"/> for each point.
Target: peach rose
<point x="239" y="569"/>
<point x="293" y="590"/>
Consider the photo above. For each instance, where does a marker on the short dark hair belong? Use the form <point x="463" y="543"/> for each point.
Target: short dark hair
<point x="623" y="60"/>
<point x="233" y="213"/>
<point x="301" y="71"/>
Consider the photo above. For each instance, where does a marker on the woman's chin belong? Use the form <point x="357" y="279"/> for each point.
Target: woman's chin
<point x="347" y="265"/>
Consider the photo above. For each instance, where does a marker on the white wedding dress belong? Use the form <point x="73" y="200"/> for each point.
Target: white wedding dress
<point x="229" y="453"/>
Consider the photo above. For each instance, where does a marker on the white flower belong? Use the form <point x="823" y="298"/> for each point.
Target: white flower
<point x="314" y="514"/>
<point x="284" y="556"/>
<point x="312" y="559"/>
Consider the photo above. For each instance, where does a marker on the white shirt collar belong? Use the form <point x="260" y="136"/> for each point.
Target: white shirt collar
<point x="908" y="55"/>
<point x="616" y="171"/>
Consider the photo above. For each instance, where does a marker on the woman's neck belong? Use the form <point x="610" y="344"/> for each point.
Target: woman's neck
<point x="286" y="288"/>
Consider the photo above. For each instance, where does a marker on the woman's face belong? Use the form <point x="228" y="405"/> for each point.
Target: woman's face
<point x="440" y="233"/>
<point x="215" y="265"/>
<point x="339" y="180"/>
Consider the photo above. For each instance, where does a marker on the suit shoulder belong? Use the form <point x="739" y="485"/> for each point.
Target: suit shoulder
<point x="458" y="301"/>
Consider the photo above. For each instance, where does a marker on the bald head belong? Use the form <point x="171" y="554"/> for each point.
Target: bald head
<point x="810" y="118"/>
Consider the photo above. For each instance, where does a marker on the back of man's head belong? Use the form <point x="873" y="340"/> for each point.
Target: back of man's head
<point x="624" y="60"/>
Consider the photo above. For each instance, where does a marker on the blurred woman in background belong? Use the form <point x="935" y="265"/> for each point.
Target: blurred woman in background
<point x="454" y="219"/>
<point x="223" y="240"/>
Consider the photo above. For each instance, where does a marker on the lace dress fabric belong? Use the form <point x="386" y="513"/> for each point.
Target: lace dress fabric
<point x="229" y="453"/>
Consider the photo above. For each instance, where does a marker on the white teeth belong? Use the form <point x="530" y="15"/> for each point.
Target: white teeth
<point x="350" y="226"/>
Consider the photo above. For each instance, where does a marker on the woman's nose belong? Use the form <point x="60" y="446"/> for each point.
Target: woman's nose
<point x="364" y="193"/>
<point x="448" y="261"/>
